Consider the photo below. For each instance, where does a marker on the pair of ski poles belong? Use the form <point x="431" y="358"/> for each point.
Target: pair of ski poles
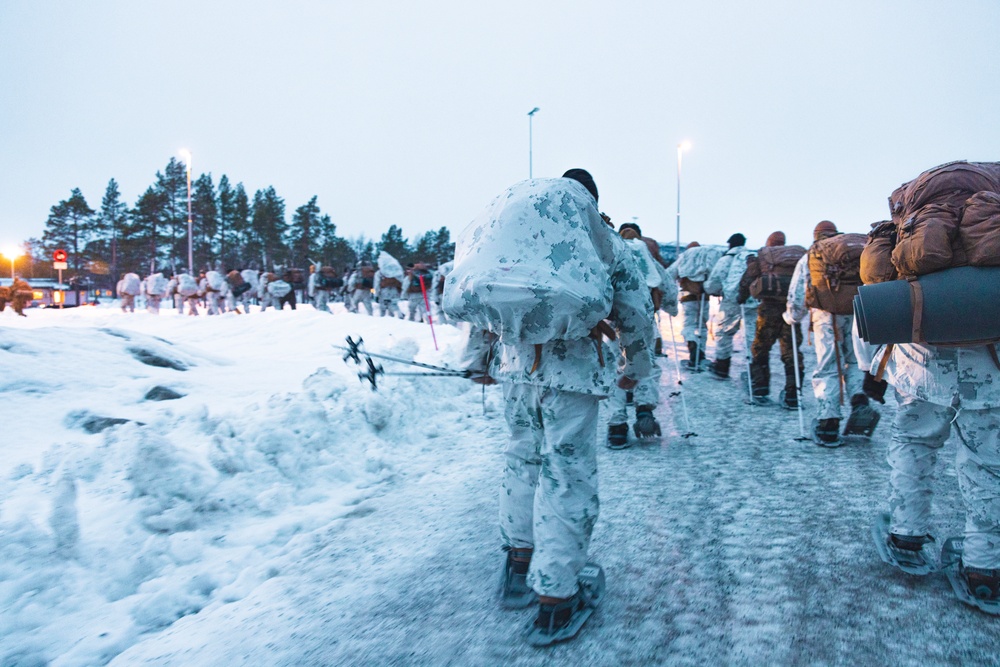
<point x="355" y="352"/>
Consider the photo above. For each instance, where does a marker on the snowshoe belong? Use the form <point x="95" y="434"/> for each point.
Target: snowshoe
<point x="913" y="555"/>
<point x="514" y="590"/>
<point x="562" y="621"/>
<point x="975" y="587"/>
<point x="863" y="418"/>
<point x="645" y="426"/>
<point x="719" y="369"/>
<point x="788" y="401"/>
<point x="617" y="436"/>
<point x="826" y="432"/>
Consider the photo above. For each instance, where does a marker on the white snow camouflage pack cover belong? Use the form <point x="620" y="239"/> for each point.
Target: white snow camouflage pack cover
<point x="389" y="266"/>
<point x="533" y="267"/>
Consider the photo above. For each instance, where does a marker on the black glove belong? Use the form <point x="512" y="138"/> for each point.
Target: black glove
<point x="874" y="389"/>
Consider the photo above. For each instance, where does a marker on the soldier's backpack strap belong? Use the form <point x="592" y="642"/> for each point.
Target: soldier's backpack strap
<point x="885" y="361"/>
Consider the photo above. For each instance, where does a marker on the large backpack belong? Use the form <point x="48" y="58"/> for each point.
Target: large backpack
<point x="419" y="271"/>
<point x="366" y="278"/>
<point x="131" y="284"/>
<point x="156" y="285"/>
<point x="948" y="216"/>
<point x="296" y="278"/>
<point x="187" y="286"/>
<point x="535" y="265"/>
<point x="215" y="281"/>
<point x="328" y="279"/>
<point x="775" y="266"/>
<point x="835" y="273"/>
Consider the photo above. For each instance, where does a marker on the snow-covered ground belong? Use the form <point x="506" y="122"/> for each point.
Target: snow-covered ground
<point x="280" y="512"/>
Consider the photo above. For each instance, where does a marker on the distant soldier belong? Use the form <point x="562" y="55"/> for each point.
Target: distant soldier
<point x="438" y="290"/>
<point x="213" y="286"/>
<point x="155" y="288"/>
<point x="417" y="280"/>
<point x="360" y="286"/>
<point x="187" y="288"/>
<point x="387" y="292"/>
<point x="19" y="295"/>
<point x="326" y="284"/>
<point x="129" y="287"/>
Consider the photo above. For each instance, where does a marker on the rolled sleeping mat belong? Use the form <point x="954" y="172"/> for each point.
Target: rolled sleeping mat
<point x="959" y="305"/>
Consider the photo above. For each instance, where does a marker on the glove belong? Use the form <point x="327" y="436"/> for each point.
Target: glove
<point x="874" y="389"/>
<point x="787" y="317"/>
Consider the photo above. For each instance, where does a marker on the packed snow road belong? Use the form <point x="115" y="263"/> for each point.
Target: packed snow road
<point x="737" y="546"/>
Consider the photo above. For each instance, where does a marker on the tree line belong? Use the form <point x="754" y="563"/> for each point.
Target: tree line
<point x="230" y="230"/>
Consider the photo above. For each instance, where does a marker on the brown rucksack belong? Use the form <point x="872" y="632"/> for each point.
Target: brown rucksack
<point x="835" y="273"/>
<point x="387" y="283"/>
<point x="948" y="216"/>
<point x="775" y="264"/>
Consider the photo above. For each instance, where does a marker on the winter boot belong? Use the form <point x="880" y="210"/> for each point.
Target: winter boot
<point x="645" y="425"/>
<point x="789" y="399"/>
<point x="562" y="619"/>
<point x="915" y="555"/>
<point x="629" y="398"/>
<point x="691" y="363"/>
<point x="827" y="432"/>
<point x="720" y="368"/>
<point x="514" y="590"/>
<point x="863" y="419"/>
<point x="618" y="436"/>
<point x="658" y="347"/>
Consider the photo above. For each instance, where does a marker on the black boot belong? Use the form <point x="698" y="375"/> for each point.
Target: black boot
<point x="720" y="368"/>
<point x="827" y="432"/>
<point x="695" y="354"/>
<point x="617" y="436"/>
<point x="645" y="425"/>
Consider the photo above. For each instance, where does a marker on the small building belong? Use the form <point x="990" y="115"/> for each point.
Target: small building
<point x="48" y="293"/>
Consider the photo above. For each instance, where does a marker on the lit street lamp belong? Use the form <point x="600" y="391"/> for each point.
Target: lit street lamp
<point x="187" y="161"/>
<point x="681" y="147"/>
<point x="12" y="253"/>
<point x="531" y="114"/>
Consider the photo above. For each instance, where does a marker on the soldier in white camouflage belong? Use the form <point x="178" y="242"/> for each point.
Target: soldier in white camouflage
<point x="548" y="498"/>
<point x="690" y="271"/>
<point x="724" y="281"/>
<point x="938" y="390"/>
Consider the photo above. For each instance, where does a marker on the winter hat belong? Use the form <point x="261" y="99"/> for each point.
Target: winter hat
<point x="736" y="240"/>
<point x="629" y="226"/>
<point x="583" y="177"/>
<point x="693" y="244"/>
<point x="776" y="238"/>
<point x="824" y="230"/>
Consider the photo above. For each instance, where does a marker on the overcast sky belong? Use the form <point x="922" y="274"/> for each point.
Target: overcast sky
<point x="415" y="113"/>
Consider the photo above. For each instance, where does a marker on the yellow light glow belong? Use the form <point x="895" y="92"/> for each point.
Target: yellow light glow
<point x="57" y="297"/>
<point x="10" y="252"/>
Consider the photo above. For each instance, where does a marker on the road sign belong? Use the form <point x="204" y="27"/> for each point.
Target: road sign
<point x="59" y="256"/>
<point x="60" y="266"/>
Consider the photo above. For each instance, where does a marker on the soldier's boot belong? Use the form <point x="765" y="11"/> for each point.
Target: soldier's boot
<point x="514" y="590"/>
<point x="695" y="355"/>
<point x="645" y="425"/>
<point x="827" y="432"/>
<point x="617" y="436"/>
<point x="863" y="418"/>
<point x="658" y="347"/>
<point x="983" y="584"/>
<point x="908" y="551"/>
<point x="789" y="398"/>
<point x="720" y="368"/>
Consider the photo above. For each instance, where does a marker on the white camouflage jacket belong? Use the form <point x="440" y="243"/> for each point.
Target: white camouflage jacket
<point x="795" y="306"/>
<point x="574" y="365"/>
<point x="724" y="280"/>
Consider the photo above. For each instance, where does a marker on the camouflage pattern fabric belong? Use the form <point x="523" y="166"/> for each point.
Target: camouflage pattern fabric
<point x="322" y="300"/>
<point x="417" y="307"/>
<point x="696" y="321"/>
<point x="548" y="497"/>
<point x="918" y="433"/>
<point x="730" y="317"/>
<point x="386" y="297"/>
<point x="830" y="332"/>
<point x="359" y="296"/>
<point x="772" y="328"/>
<point x="646" y="392"/>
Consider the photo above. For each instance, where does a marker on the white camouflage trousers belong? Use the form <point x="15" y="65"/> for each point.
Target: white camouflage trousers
<point x="388" y="302"/>
<point x="216" y="303"/>
<point x="696" y="321"/>
<point x="918" y="432"/>
<point x="730" y="316"/>
<point x="831" y="332"/>
<point x="646" y="392"/>
<point x="322" y="300"/>
<point x="548" y="498"/>
<point x="361" y="297"/>
<point x="418" y="309"/>
<point x="153" y="303"/>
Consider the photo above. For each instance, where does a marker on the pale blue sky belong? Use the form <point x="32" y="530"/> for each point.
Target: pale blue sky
<point x="414" y="113"/>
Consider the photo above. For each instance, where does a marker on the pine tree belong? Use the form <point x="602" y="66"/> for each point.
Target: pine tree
<point x="172" y="187"/>
<point x="269" y="226"/>
<point x="226" y="240"/>
<point x="305" y="232"/>
<point x="107" y="227"/>
<point x="393" y="243"/>
<point x="205" y="215"/>
<point x="245" y="246"/>
<point x="424" y="250"/>
<point x="444" y="249"/>
<point x="142" y="242"/>
<point x="68" y="227"/>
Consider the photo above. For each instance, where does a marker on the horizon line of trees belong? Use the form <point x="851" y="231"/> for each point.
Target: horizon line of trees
<point x="230" y="230"/>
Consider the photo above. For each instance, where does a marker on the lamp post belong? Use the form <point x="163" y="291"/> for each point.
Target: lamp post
<point x="681" y="147"/>
<point x="187" y="160"/>
<point x="531" y="114"/>
<point x="12" y="253"/>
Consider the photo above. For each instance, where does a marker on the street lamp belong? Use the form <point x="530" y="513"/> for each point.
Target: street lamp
<point x="681" y="147"/>
<point x="186" y="154"/>
<point x="12" y="253"/>
<point x="531" y="114"/>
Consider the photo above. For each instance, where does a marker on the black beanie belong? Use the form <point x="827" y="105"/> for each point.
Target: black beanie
<point x="583" y="177"/>
<point x="736" y="240"/>
<point x="629" y="225"/>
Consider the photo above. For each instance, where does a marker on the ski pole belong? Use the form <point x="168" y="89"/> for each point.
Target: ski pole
<point x="355" y="347"/>
<point x="746" y="352"/>
<point x="427" y="305"/>
<point x="699" y="332"/>
<point x="677" y="366"/>
<point x="798" y="381"/>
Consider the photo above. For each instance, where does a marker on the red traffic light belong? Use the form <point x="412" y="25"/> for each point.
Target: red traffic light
<point x="59" y="256"/>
